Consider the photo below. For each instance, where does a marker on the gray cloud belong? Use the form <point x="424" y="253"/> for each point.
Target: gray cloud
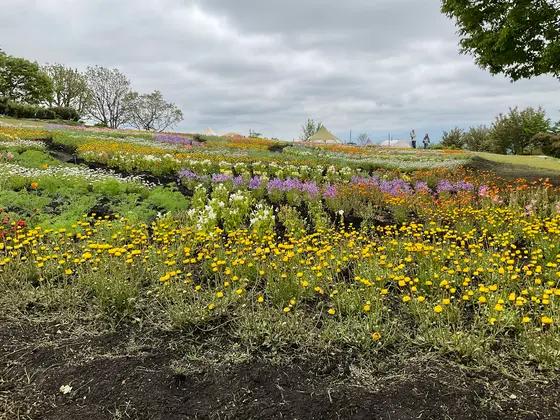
<point x="375" y="66"/>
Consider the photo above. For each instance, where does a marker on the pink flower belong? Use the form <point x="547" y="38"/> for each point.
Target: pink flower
<point x="10" y="156"/>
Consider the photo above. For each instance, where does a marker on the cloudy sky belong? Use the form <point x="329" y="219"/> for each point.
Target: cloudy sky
<point x="375" y="66"/>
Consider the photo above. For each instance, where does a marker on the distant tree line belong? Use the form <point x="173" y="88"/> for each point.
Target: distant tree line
<point x="518" y="132"/>
<point x="102" y="95"/>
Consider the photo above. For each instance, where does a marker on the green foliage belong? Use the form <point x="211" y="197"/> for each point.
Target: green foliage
<point x="547" y="143"/>
<point x="519" y="38"/>
<point x="309" y="129"/>
<point x="512" y="133"/>
<point x="478" y="139"/>
<point x="23" y="81"/>
<point x="453" y="139"/>
<point x="70" y="90"/>
<point x="151" y="112"/>
<point x="20" y="110"/>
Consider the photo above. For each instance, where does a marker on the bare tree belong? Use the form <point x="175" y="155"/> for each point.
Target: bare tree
<point x="151" y="112"/>
<point x="70" y="88"/>
<point x="309" y="129"/>
<point x="363" y="138"/>
<point x="109" y="89"/>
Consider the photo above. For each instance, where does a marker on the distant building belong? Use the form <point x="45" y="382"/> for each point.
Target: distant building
<point x="397" y="144"/>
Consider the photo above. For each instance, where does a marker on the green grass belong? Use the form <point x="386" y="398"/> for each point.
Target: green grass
<point x="534" y="161"/>
<point x="38" y="123"/>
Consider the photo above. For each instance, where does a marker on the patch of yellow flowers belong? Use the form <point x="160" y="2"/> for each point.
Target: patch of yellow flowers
<point x="498" y="268"/>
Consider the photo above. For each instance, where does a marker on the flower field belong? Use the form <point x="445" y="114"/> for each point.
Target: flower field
<point x="280" y="246"/>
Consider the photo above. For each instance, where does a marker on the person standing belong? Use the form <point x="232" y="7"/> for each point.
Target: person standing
<point x="426" y="141"/>
<point x="413" y="139"/>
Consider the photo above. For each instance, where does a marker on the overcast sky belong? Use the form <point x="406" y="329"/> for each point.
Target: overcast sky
<point x="376" y="66"/>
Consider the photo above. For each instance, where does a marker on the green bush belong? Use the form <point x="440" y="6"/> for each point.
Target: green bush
<point x="548" y="143"/>
<point x="65" y="113"/>
<point x="21" y="110"/>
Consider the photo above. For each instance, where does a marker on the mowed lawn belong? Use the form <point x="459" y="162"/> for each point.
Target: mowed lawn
<point x="543" y="162"/>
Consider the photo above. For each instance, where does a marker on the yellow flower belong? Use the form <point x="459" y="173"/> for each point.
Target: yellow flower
<point x="498" y="307"/>
<point x="406" y="299"/>
<point x="526" y="319"/>
<point x="332" y="311"/>
<point x="438" y="309"/>
<point x="546" y="320"/>
<point x="211" y="306"/>
<point x="421" y="299"/>
<point x="492" y="320"/>
<point x="220" y="294"/>
<point x="287" y="309"/>
<point x="367" y="308"/>
<point x="69" y="271"/>
<point x="376" y="336"/>
<point x="446" y="301"/>
<point x="482" y="299"/>
<point x="260" y="299"/>
<point x="305" y="283"/>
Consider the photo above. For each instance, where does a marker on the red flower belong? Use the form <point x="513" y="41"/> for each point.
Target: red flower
<point x="21" y="223"/>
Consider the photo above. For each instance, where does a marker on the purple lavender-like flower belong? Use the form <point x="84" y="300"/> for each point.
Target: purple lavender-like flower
<point x="445" y="185"/>
<point x="421" y="186"/>
<point x="395" y="187"/>
<point x="255" y="183"/>
<point x="174" y="139"/>
<point x="275" y="185"/>
<point x="238" y="181"/>
<point x="330" y="191"/>
<point x="221" y="178"/>
<point x="189" y="175"/>
<point x="464" y="186"/>
<point x="311" y="188"/>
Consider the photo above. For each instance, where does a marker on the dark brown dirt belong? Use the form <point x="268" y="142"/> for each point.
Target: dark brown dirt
<point x="512" y="172"/>
<point x="128" y="375"/>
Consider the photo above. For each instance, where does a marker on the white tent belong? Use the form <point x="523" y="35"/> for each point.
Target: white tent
<point x="397" y="144"/>
<point x="324" y="136"/>
<point x="209" y="132"/>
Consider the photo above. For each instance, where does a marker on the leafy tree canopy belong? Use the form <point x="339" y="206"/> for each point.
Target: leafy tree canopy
<point x="517" y="38"/>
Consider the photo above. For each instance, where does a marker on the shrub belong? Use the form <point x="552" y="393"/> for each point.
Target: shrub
<point x="21" y="110"/>
<point x="66" y="113"/>
<point x="548" y="143"/>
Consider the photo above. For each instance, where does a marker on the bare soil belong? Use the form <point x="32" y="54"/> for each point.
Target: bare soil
<point x="138" y="374"/>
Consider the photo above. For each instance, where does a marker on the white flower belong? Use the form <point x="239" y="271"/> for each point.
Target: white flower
<point x="65" y="389"/>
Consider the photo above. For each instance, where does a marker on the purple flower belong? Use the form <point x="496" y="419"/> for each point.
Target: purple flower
<point x="255" y="183"/>
<point x="421" y="187"/>
<point x="221" y="178"/>
<point x="445" y="185"/>
<point x="395" y="187"/>
<point x="238" y="181"/>
<point x="189" y="175"/>
<point x="175" y="139"/>
<point x="311" y="189"/>
<point x="330" y="191"/>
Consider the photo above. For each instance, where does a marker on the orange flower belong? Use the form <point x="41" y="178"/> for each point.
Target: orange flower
<point x="34" y="185"/>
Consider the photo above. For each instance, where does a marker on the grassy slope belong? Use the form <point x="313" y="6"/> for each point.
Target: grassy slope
<point x="534" y="161"/>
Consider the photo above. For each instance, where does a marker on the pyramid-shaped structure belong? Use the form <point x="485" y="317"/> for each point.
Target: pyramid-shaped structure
<point x="324" y="136"/>
<point x="209" y="132"/>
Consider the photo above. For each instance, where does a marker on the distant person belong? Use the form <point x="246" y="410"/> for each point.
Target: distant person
<point x="413" y="139"/>
<point x="426" y="141"/>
